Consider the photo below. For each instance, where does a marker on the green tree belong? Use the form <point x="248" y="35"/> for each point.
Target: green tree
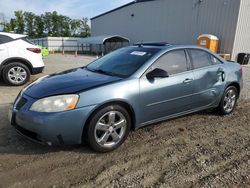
<point x="12" y="24"/>
<point x="64" y="30"/>
<point x="29" y="19"/>
<point x="48" y="24"/>
<point x="39" y="26"/>
<point x="55" y="24"/>
<point x="75" y="25"/>
<point x="85" y="29"/>
<point x="7" y="27"/>
<point x="10" y="27"/>
<point x="19" y="22"/>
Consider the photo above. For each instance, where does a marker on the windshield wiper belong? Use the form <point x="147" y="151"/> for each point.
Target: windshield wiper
<point x="101" y="71"/>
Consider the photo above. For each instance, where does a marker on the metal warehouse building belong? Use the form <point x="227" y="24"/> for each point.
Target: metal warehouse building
<point x="180" y="22"/>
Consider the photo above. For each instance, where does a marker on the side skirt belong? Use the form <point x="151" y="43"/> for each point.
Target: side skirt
<point x="173" y="116"/>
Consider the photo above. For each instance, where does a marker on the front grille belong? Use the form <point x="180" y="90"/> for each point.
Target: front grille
<point x="20" y="103"/>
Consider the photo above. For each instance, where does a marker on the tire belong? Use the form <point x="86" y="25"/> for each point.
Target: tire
<point x="108" y="128"/>
<point x="1" y="75"/>
<point x="16" y="74"/>
<point x="228" y="101"/>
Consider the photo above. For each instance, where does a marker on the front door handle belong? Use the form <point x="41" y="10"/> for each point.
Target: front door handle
<point x="188" y="80"/>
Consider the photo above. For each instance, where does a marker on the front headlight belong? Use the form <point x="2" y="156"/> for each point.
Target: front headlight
<point x="55" y="104"/>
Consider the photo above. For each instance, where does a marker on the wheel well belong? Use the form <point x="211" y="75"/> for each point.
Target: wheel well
<point x="16" y="60"/>
<point x="121" y="103"/>
<point x="236" y="85"/>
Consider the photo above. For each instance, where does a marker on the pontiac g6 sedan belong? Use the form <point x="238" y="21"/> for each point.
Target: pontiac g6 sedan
<point x="125" y="90"/>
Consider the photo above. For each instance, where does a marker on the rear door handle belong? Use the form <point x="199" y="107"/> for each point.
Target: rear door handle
<point x="188" y="80"/>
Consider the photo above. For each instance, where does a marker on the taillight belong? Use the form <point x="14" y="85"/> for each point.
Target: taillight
<point x="35" y="50"/>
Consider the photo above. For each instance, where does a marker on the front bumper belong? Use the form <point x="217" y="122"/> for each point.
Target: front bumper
<point x="61" y="128"/>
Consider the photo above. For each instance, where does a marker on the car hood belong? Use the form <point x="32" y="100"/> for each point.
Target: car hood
<point x="67" y="82"/>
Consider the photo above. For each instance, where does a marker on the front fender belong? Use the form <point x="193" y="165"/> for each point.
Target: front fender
<point x="126" y="91"/>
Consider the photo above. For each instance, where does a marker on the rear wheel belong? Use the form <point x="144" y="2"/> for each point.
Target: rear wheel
<point x="108" y="128"/>
<point x="228" y="101"/>
<point x="16" y="74"/>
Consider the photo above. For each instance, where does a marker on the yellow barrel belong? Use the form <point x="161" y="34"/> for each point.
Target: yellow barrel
<point x="208" y="41"/>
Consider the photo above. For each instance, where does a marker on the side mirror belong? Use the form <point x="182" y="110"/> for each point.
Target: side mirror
<point x="157" y="73"/>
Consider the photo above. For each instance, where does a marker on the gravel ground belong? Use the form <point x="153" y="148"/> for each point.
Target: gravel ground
<point x="198" y="150"/>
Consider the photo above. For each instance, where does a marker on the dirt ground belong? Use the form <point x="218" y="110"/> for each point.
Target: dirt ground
<point x="198" y="150"/>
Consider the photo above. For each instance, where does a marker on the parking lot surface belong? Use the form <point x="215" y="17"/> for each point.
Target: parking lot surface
<point x="198" y="150"/>
<point x="53" y="63"/>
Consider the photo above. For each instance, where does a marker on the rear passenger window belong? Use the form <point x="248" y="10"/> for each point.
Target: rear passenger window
<point x="5" y="39"/>
<point x="200" y="58"/>
<point x="173" y="62"/>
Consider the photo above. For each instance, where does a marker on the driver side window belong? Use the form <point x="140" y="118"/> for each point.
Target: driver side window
<point x="173" y="62"/>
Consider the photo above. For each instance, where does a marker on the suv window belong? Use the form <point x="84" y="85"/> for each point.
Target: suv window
<point x="5" y="39"/>
<point x="173" y="62"/>
<point x="200" y="58"/>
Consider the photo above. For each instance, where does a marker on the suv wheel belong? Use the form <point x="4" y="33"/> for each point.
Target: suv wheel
<point x="108" y="128"/>
<point x="16" y="74"/>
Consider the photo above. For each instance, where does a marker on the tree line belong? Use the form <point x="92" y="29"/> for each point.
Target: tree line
<point x="49" y="24"/>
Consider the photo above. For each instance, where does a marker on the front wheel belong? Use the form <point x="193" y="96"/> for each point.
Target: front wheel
<point x="108" y="128"/>
<point x="228" y="101"/>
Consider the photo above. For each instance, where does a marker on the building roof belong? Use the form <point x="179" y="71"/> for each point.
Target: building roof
<point x="128" y="4"/>
<point x="103" y="39"/>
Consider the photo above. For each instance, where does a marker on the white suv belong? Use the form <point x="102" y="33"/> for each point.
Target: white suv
<point x="19" y="58"/>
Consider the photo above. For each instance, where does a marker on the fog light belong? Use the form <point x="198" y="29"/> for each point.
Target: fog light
<point x="49" y="143"/>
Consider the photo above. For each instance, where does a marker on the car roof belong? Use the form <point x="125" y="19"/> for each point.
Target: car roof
<point x="152" y="44"/>
<point x="13" y="35"/>
<point x="165" y="45"/>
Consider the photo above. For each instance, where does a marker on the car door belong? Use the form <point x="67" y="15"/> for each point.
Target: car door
<point x="3" y="49"/>
<point x="208" y="78"/>
<point x="168" y="96"/>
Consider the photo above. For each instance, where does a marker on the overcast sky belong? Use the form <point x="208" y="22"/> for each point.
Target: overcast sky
<point x="71" y="8"/>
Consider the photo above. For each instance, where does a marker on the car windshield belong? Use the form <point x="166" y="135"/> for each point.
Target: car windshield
<point x="123" y="62"/>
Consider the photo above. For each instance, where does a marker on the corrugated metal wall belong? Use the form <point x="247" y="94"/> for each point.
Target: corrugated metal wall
<point x="173" y="21"/>
<point x="242" y="38"/>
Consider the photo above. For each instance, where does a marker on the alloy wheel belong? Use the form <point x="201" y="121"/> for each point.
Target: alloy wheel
<point x="230" y="100"/>
<point x="110" y="129"/>
<point x="17" y="75"/>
